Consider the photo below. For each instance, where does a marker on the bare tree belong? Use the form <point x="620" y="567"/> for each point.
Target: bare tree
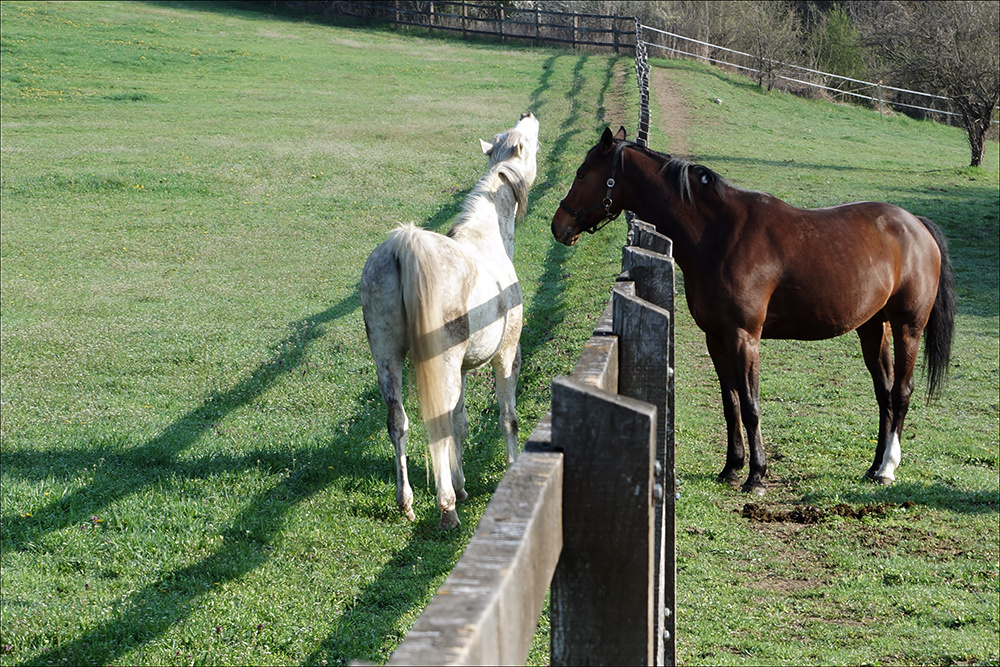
<point x="772" y="32"/>
<point x="949" y="48"/>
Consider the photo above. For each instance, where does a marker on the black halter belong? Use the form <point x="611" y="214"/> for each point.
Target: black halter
<point x="606" y="203"/>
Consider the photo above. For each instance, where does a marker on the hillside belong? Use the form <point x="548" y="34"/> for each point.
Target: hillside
<point x="194" y="464"/>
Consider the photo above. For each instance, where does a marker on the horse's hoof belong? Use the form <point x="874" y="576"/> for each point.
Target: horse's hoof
<point x="731" y="478"/>
<point x="409" y="515"/>
<point x="449" y="520"/>
<point x="756" y="489"/>
<point x="461" y="495"/>
<point x="882" y="480"/>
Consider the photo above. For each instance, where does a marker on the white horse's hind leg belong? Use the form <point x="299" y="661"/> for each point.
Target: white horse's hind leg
<point x="459" y="431"/>
<point x="445" y="456"/>
<point x="385" y="325"/>
<point x="506" y="367"/>
<point x="390" y="383"/>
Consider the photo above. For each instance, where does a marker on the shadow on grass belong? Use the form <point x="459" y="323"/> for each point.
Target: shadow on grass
<point x="246" y="542"/>
<point x="361" y="631"/>
<point x="376" y="611"/>
<point x="937" y="495"/>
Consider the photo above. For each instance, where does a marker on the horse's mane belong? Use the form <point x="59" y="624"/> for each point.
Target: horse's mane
<point x="676" y="172"/>
<point x="499" y="172"/>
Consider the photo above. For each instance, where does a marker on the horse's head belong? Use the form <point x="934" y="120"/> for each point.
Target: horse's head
<point x="518" y="146"/>
<point x="589" y="202"/>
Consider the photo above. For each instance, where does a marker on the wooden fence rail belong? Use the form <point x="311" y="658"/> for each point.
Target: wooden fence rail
<point x="533" y="25"/>
<point x="588" y="508"/>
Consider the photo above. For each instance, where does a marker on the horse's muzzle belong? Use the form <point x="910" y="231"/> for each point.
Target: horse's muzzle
<point x="563" y="228"/>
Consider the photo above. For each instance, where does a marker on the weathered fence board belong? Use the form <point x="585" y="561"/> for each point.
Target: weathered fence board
<point x="601" y="608"/>
<point x="644" y="330"/>
<point x="599" y="464"/>
<point x="486" y="611"/>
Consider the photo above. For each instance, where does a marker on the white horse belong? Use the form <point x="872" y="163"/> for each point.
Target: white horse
<point x="453" y="303"/>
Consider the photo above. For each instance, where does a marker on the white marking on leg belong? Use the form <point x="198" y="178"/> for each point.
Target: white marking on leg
<point x="890" y="460"/>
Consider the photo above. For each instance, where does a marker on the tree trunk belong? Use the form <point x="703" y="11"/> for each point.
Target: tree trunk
<point x="976" y="118"/>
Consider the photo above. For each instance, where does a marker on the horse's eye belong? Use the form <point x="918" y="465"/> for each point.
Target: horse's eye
<point x="579" y="175"/>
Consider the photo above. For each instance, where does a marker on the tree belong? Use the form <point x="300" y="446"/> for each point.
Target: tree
<point x="841" y="50"/>
<point x="951" y="48"/>
<point x="771" y="31"/>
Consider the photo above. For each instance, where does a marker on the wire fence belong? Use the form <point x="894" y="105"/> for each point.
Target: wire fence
<point x="879" y="96"/>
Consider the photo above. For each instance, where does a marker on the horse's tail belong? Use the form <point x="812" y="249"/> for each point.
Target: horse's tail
<point x="941" y="324"/>
<point x="416" y="250"/>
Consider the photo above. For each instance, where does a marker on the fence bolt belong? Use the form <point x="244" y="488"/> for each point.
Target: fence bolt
<point x="657" y="468"/>
<point x="677" y="496"/>
<point x="677" y="482"/>
<point x="666" y="635"/>
<point x="667" y="613"/>
<point x="658" y="491"/>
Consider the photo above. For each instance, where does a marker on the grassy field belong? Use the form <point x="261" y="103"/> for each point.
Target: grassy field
<point x="909" y="586"/>
<point x="194" y="463"/>
<point x="195" y="467"/>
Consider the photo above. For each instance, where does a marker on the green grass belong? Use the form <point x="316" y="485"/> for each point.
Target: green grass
<point x="918" y="586"/>
<point x="195" y="467"/>
<point x="193" y="457"/>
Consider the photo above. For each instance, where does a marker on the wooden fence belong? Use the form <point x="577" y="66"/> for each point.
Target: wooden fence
<point x="588" y="508"/>
<point x="534" y="26"/>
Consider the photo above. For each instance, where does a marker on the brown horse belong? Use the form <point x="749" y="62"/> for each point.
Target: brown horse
<point x="755" y="267"/>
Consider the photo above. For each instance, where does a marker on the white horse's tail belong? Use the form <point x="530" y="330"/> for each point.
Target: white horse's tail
<point x="416" y="250"/>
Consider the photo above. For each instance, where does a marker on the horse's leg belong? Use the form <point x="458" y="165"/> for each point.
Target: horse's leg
<point x="875" y="347"/>
<point x="906" y="339"/>
<point x="506" y="367"/>
<point x="390" y="383"/>
<point x="459" y="431"/>
<point x="747" y="357"/>
<point x="442" y="449"/>
<point x="735" y="449"/>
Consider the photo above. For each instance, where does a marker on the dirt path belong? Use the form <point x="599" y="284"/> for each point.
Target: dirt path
<point x="669" y="113"/>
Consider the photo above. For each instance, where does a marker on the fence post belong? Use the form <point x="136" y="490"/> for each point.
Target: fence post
<point x="501" y="23"/>
<point x="601" y="607"/>
<point x="430" y="17"/>
<point x="465" y="20"/>
<point x="644" y="326"/>
<point x="642" y="79"/>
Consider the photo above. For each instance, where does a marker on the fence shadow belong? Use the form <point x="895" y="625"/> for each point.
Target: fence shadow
<point x="376" y="611"/>
<point x="246" y="541"/>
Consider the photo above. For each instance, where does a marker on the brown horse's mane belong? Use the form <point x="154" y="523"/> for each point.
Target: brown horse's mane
<point x="676" y="173"/>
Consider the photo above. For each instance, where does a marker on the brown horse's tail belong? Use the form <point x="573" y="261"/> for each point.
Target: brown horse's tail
<point x="941" y="324"/>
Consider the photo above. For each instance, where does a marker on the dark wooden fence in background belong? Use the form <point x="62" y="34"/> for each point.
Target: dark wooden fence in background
<point x="534" y="26"/>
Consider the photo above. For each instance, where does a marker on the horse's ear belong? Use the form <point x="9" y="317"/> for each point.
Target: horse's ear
<point x="487" y="147"/>
<point x="606" y="139"/>
<point x="621" y="133"/>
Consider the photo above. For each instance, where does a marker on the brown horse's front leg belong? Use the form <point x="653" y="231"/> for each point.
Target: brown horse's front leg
<point x="737" y="361"/>
<point x="744" y="364"/>
<point x="735" y="449"/>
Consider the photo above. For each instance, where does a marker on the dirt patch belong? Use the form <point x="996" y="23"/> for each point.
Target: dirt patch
<point x="670" y="114"/>
<point x="812" y="515"/>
